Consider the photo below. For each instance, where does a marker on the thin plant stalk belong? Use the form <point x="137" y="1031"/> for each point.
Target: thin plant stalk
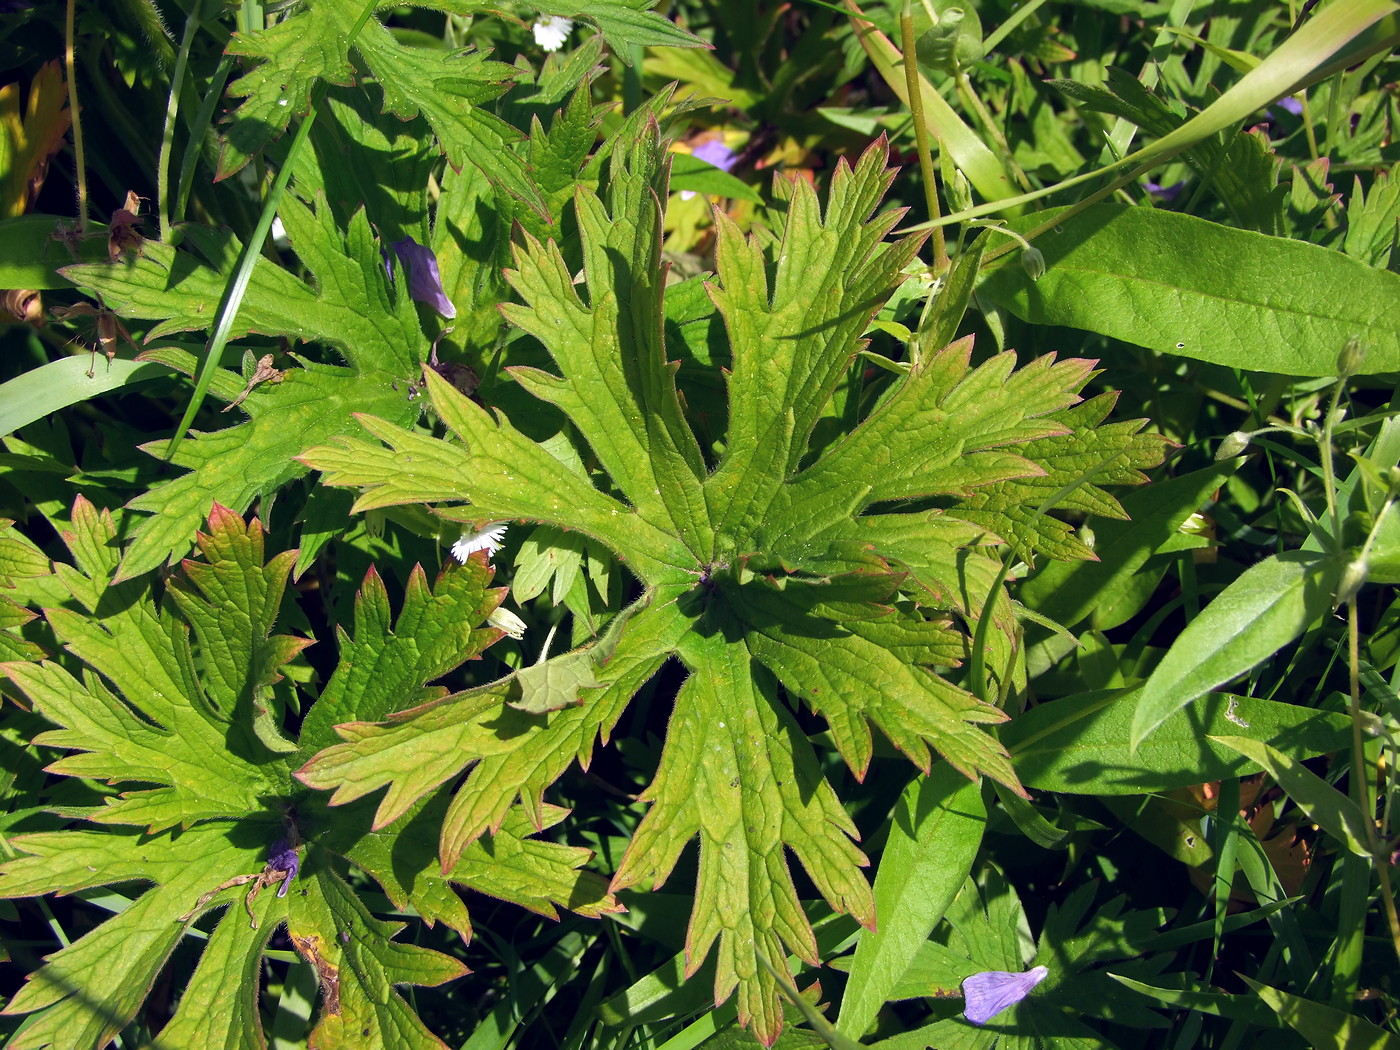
<point x="79" y="159"/>
<point x="921" y="139"/>
<point x="201" y="122"/>
<point x="989" y="125"/>
<point x="172" y="108"/>
<point x="1001" y="32"/>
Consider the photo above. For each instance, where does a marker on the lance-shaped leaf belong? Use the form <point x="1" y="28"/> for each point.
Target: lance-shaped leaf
<point x="189" y="697"/>
<point x="793" y="563"/>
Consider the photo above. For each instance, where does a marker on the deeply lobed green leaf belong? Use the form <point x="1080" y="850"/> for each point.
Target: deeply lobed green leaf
<point x="796" y="568"/>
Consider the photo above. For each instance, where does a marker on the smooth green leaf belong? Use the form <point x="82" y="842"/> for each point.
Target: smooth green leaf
<point x="1192" y="288"/>
<point x="938" y="826"/>
<point x="1267" y="607"/>
<point x="1326" y="806"/>
<point x="1068" y="592"/>
<point x="50" y="388"/>
<point x="1082" y="744"/>
<point x="1322" y="1026"/>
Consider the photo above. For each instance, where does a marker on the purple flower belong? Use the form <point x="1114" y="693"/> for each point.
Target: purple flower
<point x="1289" y="104"/>
<point x="989" y="993"/>
<point x="284" y="858"/>
<point x="1163" y="193"/>
<point x="424" y="280"/>
<point x="713" y="152"/>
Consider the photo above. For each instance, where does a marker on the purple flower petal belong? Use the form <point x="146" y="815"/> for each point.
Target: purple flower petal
<point x="989" y="993"/>
<point x="1165" y="193"/>
<point x="424" y="280"/>
<point x="284" y="858"/>
<point x="1289" y="104"/>
<point x="712" y="152"/>
<point x="715" y="152"/>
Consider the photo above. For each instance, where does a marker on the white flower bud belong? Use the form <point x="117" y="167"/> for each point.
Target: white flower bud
<point x="1234" y="444"/>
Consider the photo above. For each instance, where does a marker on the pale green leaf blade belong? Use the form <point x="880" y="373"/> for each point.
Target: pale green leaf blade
<point x="1325" y="1027"/>
<point x="1189" y="287"/>
<point x="359" y="964"/>
<point x="616" y="385"/>
<point x="1267" y="607"/>
<point x="538" y="875"/>
<point x="850" y="672"/>
<point x="945" y="429"/>
<point x="793" y="342"/>
<point x="414" y="752"/>
<point x="501" y="457"/>
<point x="1082" y="744"/>
<point x="543" y="747"/>
<point x="737" y="771"/>
<point x="219" y="1007"/>
<point x="231" y="597"/>
<point x="1336" y="813"/>
<point x="187" y="753"/>
<point x="385" y="663"/>
<point x="938" y="826"/>
<point x="514" y="753"/>
<point x="129" y="949"/>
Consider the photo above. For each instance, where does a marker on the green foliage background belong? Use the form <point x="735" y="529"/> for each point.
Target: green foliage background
<point x="1039" y="566"/>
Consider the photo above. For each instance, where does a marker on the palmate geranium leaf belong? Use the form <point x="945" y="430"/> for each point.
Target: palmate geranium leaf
<point x="798" y="569"/>
<point x="352" y="309"/>
<point x="181" y="708"/>
<point x="449" y="89"/>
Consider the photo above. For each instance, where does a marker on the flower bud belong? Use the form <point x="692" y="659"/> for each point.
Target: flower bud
<point x="958" y="189"/>
<point x="1234" y="444"/>
<point x="1352" y="579"/>
<point x="1033" y="262"/>
<point x="1351" y="358"/>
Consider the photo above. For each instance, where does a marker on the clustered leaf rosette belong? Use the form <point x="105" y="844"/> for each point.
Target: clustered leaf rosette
<point x="823" y="558"/>
<point x="180" y="708"/>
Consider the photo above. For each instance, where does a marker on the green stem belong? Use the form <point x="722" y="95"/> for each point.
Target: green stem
<point x="984" y="117"/>
<point x="201" y="123"/>
<point x="921" y="139"/>
<point x="78" y="157"/>
<point x="1074" y="209"/>
<point x="172" y="109"/>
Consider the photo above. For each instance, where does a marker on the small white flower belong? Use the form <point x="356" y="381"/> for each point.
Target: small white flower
<point x="551" y="31"/>
<point x="487" y="538"/>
